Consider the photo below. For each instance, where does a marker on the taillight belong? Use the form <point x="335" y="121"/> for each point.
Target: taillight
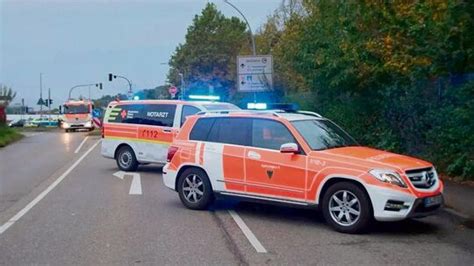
<point x="171" y="152"/>
<point x="102" y="131"/>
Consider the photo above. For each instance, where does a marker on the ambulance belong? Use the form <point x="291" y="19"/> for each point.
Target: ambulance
<point x="140" y="131"/>
<point x="77" y="114"/>
<point x="298" y="159"/>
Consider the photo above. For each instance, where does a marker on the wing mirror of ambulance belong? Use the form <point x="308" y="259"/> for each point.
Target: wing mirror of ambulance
<point x="289" y="148"/>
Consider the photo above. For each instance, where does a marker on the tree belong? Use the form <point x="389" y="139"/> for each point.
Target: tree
<point x="389" y="72"/>
<point x="207" y="58"/>
<point x="6" y="95"/>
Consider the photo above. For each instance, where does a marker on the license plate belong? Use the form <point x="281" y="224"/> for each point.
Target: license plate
<point x="432" y="201"/>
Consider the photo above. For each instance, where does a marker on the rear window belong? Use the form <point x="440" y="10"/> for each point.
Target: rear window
<point x="201" y="129"/>
<point x="235" y="131"/>
<point x="145" y="114"/>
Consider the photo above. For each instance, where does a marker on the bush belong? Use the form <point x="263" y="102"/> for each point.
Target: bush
<point x="8" y="135"/>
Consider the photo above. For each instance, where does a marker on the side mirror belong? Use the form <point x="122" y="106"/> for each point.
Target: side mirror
<point x="289" y="148"/>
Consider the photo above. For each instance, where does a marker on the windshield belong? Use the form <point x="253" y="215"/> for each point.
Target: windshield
<point x="323" y="134"/>
<point x="76" y="109"/>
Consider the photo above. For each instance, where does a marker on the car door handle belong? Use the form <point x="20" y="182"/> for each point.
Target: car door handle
<point x="167" y="130"/>
<point x="254" y="155"/>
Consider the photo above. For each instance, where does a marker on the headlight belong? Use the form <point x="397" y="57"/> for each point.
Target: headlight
<point x="88" y="124"/>
<point x="65" y="125"/>
<point x="388" y="176"/>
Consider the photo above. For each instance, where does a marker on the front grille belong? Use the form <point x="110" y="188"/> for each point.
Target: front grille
<point x="423" y="178"/>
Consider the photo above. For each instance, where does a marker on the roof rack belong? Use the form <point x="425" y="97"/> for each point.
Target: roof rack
<point x="309" y="113"/>
<point x="256" y="112"/>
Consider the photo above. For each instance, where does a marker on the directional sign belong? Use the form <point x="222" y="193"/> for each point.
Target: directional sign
<point x="255" y="72"/>
<point x="136" y="187"/>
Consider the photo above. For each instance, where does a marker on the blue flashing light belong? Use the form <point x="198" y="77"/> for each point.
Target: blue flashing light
<point x="204" y="97"/>
<point x="136" y="98"/>
<point x="257" y="106"/>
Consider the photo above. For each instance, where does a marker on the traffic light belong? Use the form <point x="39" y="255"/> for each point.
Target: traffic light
<point x="110" y="76"/>
<point x="99" y="85"/>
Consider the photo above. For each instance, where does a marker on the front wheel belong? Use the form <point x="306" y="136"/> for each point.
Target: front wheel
<point x="194" y="189"/>
<point x="347" y="208"/>
<point x="126" y="160"/>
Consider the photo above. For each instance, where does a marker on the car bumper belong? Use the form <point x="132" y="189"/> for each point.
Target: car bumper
<point x="77" y="126"/>
<point x="169" y="177"/>
<point x="384" y="199"/>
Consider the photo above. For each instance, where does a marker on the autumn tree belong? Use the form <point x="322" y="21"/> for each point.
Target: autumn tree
<point x="207" y="58"/>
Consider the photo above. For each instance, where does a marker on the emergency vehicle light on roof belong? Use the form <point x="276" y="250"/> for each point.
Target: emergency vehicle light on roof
<point x="205" y="97"/>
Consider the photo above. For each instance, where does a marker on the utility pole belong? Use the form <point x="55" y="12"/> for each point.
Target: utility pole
<point x="22" y="107"/>
<point x="49" y="103"/>
<point x="41" y="94"/>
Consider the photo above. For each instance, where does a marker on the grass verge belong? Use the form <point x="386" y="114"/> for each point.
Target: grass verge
<point x="8" y="135"/>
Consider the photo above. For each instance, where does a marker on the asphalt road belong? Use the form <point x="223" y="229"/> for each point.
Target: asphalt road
<point x="90" y="218"/>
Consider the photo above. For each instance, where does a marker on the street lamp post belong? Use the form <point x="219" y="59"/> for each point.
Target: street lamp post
<point x="254" y="50"/>
<point x="183" y="88"/>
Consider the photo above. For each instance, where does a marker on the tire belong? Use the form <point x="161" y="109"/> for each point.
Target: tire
<point x="67" y="130"/>
<point x="199" y="179"/>
<point x="356" y="200"/>
<point x="126" y="159"/>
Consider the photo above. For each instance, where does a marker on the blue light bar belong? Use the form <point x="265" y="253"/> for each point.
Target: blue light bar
<point x="258" y="106"/>
<point x="205" y="97"/>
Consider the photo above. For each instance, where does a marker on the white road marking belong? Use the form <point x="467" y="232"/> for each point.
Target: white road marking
<point x="80" y="145"/>
<point x="43" y="194"/>
<point x="247" y="232"/>
<point x="136" y="186"/>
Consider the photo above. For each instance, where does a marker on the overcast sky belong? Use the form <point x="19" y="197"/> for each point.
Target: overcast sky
<point x="79" y="41"/>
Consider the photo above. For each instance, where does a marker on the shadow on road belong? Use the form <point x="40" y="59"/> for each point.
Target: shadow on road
<point x="311" y="217"/>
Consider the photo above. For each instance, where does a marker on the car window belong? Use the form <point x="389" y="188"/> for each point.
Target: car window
<point x="158" y="114"/>
<point x="270" y="134"/>
<point x="126" y="114"/>
<point x="201" y="129"/>
<point x="322" y="134"/>
<point x="231" y="130"/>
<point x="187" y="111"/>
<point x="145" y="114"/>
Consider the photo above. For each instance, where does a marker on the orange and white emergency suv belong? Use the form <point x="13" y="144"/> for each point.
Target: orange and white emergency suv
<point x="140" y="132"/>
<point x="301" y="159"/>
<point x="77" y="115"/>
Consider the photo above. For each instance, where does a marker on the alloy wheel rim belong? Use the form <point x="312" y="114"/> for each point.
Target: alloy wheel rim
<point x="344" y="208"/>
<point x="193" y="188"/>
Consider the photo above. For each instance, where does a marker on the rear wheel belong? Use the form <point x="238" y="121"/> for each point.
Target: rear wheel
<point x="347" y="208"/>
<point x="194" y="189"/>
<point x="126" y="160"/>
